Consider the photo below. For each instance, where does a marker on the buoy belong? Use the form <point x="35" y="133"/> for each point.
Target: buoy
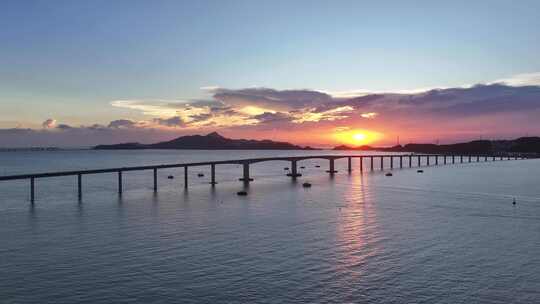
<point x="286" y="168"/>
<point x="302" y="167"/>
<point x="200" y="175"/>
<point x="241" y="193"/>
<point x="306" y="185"/>
<point x="317" y="166"/>
<point x="419" y="171"/>
<point x="514" y="201"/>
<point x="170" y="177"/>
<point x="388" y="174"/>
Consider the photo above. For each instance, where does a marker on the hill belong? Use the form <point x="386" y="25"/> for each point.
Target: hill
<point x="212" y="141"/>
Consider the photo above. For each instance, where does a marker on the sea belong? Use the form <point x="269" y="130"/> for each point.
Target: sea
<point x="448" y="235"/>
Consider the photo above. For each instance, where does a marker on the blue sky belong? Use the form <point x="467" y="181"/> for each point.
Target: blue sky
<point x="68" y="60"/>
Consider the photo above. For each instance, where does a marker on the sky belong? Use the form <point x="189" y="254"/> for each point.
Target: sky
<point x="322" y="73"/>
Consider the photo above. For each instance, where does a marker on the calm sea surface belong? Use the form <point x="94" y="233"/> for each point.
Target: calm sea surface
<point x="450" y="235"/>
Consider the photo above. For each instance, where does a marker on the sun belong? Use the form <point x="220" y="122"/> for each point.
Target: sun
<point x="359" y="137"/>
<point x="356" y="137"/>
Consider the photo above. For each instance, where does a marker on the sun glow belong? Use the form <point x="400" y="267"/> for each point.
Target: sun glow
<point x="359" y="137"/>
<point x="356" y="137"/>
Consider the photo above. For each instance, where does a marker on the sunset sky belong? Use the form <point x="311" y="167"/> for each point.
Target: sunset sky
<point x="321" y="73"/>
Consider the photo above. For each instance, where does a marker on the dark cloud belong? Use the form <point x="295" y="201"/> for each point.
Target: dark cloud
<point x="175" y="121"/>
<point x="200" y="117"/>
<point x="271" y="98"/>
<point x="122" y="123"/>
<point x="268" y="117"/>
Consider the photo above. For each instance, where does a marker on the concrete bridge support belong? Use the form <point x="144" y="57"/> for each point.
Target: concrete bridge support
<point x="331" y="168"/>
<point x="79" y="186"/>
<point x="294" y="170"/>
<point x="185" y="177"/>
<point x="120" y="183"/>
<point x="213" y="174"/>
<point x="246" y="178"/>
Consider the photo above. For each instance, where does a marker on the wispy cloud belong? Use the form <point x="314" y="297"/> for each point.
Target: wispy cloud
<point x="527" y="79"/>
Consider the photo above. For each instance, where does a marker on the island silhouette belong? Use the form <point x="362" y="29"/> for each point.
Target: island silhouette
<point x="215" y="141"/>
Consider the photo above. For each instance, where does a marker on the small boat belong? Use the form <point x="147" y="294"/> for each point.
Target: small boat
<point x="286" y="168"/>
<point x="302" y="167"/>
<point x="170" y="177"/>
<point x="241" y="193"/>
<point x="419" y="171"/>
<point x="317" y="166"/>
<point x="306" y="185"/>
<point x="388" y="174"/>
<point x="200" y="175"/>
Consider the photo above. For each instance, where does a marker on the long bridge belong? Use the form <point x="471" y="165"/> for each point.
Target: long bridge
<point x="404" y="160"/>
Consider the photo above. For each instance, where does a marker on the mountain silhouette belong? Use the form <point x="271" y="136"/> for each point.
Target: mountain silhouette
<point x="211" y="141"/>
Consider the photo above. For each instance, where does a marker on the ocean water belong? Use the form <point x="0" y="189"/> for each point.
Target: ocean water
<point x="449" y="235"/>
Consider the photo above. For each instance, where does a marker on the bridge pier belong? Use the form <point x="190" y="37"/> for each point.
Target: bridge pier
<point x="331" y="169"/>
<point x="444" y="161"/>
<point x="371" y="157"/>
<point x="361" y="164"/>
<point x="349" y="167"/>
<point x="32" y="191"/>
<point x="79" y="186"/>
<point x="428" y="160"/>
<point x="155" y="179"/>
<point x="436" y="160"/>
<point x="391" y="162"/>
<point x="120" y="182"/>
<point x="477" y="158"/>
<point x="410" y="161"/>
<point x="401" y="162"/>
<point x="419" y="161"/>
<point x="382" y="163"/>
<point x="294" y="170"/>
<point x="461" y="158"/>
<point x="469" y="158"/>
<point x="213" y="174"/>
<point x="185" y="177"/>
<point x="246" y="178"/>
